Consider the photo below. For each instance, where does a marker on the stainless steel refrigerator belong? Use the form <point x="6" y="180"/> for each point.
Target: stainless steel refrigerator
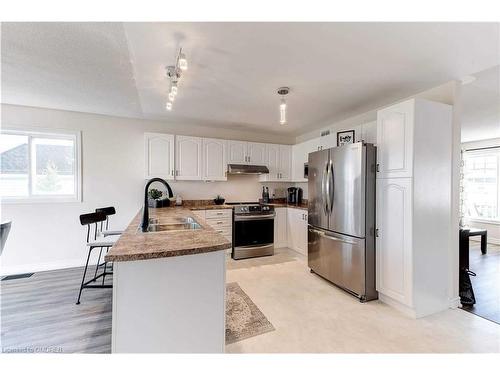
<point x="341" y="230"/>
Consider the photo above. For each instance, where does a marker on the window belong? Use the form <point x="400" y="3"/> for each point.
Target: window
<point x="39" y="166"/>
<point x="481" y="184"/>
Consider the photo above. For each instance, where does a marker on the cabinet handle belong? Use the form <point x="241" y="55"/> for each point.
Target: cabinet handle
<point x="220" y="213"/>
<point x="172" y="173"/>
<point x="220" y="222"/>
<point x="176" y="173"/>
<point x="378" y="167"/>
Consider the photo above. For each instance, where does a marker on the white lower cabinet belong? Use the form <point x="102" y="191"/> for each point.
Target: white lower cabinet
<point x="394" y="216"/>
<point x="280" y="228"/>
<point x="297" y="229"/>
<point x="220" y="220"/>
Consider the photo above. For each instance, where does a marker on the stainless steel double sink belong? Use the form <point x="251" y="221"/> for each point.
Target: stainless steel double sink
<point x="171" y="224"/>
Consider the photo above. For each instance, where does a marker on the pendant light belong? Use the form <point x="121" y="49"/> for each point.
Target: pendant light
<point x="283" y="91"/>
<point x="174" y="74"/>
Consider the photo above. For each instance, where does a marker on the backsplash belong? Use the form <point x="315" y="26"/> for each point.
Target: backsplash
<point x="244" y="188"/>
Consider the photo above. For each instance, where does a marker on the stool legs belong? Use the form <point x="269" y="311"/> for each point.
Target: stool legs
<point x="83" y="278"/>
<point x="484" y="241"/>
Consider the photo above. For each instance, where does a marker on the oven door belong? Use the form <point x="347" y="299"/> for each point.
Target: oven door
<point x="253" y="236"/>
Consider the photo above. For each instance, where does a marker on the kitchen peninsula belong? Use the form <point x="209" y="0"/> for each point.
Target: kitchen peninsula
<point x="169" y="285"/>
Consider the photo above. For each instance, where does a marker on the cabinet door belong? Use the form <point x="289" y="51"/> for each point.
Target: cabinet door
<point x="237" y="152"/>
<point x="188" y="161"/>
<point x="159" y="155"/>
<point x="394" y="242"/>
<point x="273" y="161"/>
<point x="280" y="228"/>
<point x="301" y="245"/>
<point x="285" y="163"/>
<point x="292" y="224"/>
<point x="214" y="159"/>
<point x="256" y="153"/>
<point x="299" y="158"/>
<point x="395" y="140"/>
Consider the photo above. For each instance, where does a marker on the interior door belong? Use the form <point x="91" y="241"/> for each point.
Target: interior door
<point x="347" y="189"/>
<point x="318" y="162"/>
<point x="338" y="258"/>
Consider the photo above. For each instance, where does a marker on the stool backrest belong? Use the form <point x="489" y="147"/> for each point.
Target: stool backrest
<point x="92" y="218"/>
<point x="108" y="211"/>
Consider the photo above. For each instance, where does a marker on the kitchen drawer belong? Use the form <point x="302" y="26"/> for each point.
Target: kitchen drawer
<point x="227" y="213"/>
<point x="226" y="232"/>
<point x="218" y="222"/>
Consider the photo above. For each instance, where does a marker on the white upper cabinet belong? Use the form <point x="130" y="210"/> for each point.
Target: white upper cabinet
<point x="246" y="153"/>
<point x="237" y="152"/>
<point x="300" y="155"/>
<point x="188" y="158"/>
<point x="214" y="159"/>
<point x="256" y="153"/>
<point x="279" y="162"/>
<point x="273" y="162"/>
<point x="285" y="162"/>
<point x="159" y="155"/>
<point x="395" y="140"/>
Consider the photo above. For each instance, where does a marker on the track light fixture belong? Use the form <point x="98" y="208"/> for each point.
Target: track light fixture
<point x="174" y="74"/>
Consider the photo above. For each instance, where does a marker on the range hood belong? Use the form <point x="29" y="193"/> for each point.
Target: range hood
<point x="246" y="169"/>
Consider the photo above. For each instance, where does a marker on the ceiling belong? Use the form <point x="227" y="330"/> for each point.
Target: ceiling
<point x="481" y="106"/>
<point x="334" y="70"/>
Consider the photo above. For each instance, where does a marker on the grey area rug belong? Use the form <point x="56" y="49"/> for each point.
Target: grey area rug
<point x="243" y="317"/>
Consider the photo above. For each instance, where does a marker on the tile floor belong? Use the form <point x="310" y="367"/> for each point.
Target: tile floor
<point x="312" y="316"/>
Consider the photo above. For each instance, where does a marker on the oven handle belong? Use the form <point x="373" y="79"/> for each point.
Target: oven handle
<point x="254" y="246"/>
<point x="254" y="217"/>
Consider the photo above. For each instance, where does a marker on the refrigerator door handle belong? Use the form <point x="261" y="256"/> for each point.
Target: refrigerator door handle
<point x="324" y="189"/>
<point x="331" y="194"/>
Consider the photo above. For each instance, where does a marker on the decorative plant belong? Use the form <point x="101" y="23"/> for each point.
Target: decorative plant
<point x="219" y="198"/>
<point x="155" y="194"/>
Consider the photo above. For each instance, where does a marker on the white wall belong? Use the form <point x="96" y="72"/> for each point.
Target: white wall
<point x="49" y="236"/>
<point x="492" y="228"/>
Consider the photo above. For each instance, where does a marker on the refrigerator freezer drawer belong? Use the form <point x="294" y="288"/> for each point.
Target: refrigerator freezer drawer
<point x="339" y="259"/>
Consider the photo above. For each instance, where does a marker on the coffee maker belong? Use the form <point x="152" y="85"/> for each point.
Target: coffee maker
<point x="294" y="195"/>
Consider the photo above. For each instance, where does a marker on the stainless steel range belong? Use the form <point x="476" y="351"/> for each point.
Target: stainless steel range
<point x="253" y="230"/>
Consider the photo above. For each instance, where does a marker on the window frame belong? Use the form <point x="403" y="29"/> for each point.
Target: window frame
<point x="75" y="136"/>
<point x="484" y="152"/>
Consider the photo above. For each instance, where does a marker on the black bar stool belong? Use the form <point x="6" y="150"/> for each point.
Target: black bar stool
<point x="106" y="231"/>
<point x="97" y="240"/>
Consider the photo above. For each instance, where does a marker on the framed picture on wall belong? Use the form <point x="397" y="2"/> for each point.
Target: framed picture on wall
<point x="345" y="137"/>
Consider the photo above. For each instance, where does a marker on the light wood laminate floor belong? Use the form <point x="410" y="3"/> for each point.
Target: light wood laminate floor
<point x="309" y="314"/>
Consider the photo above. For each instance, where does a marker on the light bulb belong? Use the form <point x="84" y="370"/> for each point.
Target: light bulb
<point x="183" y="64"/>
<point x="283" y="112"/>
<point x="174" y="89"/>
<point x="169" y="106"/>
<point x="171" y="96"/>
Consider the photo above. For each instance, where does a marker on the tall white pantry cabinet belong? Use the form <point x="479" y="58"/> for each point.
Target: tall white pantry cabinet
<point x="414" y="184"/>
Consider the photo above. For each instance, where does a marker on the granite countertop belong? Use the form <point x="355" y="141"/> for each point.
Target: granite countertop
<point x="136" y="245"/>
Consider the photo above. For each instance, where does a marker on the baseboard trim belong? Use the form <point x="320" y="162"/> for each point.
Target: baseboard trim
<point x="40" y="267"/>
<point x="454" y="303"/>
<point x="493" y="241"/>
<point x="406" y="310"/>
